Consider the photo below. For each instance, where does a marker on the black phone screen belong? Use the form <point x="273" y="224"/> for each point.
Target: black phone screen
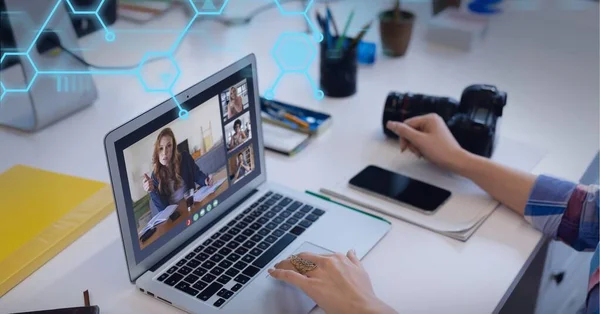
<point x="400" y="188"/>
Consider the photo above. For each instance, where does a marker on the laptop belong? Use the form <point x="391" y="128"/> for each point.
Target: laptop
<point x="200" y="222"/>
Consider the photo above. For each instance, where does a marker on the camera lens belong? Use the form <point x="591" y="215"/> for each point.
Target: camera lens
<point x="400" y="107"/>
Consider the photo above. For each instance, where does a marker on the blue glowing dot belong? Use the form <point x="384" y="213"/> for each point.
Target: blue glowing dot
<point x="269" y="94"/>
<point x="184" y="114"/>
<point x="318" y="37"/>
<point x="110" y="36"/>
<point x="319" y="94"/>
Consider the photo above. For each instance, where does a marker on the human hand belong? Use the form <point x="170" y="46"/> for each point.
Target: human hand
<point x="209" y="180"/>
<point x="339" y="284"/>
<point x="148" y="184"/>
<point x="428" y="136"/>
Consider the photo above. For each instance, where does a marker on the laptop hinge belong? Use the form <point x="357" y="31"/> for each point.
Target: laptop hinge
<point x="199" y="233"/>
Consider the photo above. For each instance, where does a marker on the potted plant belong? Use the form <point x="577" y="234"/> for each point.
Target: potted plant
<point x="396" y="27"/>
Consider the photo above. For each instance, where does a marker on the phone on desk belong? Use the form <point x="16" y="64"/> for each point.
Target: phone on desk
<point x="394" y="187"/>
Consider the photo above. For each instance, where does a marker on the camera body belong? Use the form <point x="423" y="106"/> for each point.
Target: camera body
<point x="472" y="121"/>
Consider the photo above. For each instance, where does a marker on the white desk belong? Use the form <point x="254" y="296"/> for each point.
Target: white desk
<point x="546" y="60"/>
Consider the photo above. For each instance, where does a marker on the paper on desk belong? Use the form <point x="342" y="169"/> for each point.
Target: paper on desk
<point x="205" y="191"/>
<point x="281" y="139"/>
<point x="159" y="218"/>
<point x="465" y="210"/>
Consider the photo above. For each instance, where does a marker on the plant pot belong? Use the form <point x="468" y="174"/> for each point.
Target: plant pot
<point x="395" y="34"/>
<point x="440" y="5"/>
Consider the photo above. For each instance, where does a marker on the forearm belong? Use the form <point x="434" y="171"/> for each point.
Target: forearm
<point x="509" y="186"/>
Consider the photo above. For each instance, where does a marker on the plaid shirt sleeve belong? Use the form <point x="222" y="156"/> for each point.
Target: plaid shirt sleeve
<point x="569" y="212"/>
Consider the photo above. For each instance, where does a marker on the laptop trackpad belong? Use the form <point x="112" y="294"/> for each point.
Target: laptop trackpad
<point x="286" y="298"/>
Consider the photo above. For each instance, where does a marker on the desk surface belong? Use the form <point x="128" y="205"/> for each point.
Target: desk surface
<point x="546" y="60"/>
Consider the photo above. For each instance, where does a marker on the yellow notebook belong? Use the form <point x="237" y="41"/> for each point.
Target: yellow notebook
<point x="41" y="213"/>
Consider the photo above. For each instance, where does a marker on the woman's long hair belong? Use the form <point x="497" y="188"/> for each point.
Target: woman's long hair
<point x="165" y="174"/>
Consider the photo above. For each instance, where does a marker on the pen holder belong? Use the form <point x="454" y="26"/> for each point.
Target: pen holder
<point x="338" y="69"/>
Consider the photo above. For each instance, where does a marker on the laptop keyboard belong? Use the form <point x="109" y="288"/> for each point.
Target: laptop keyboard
<point x="231" y="257"/>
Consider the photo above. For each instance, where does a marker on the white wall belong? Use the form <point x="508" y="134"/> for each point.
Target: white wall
<point x="138" y="157"/>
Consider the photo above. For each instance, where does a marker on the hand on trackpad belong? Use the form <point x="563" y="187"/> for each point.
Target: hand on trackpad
<point x="304" y="247"/>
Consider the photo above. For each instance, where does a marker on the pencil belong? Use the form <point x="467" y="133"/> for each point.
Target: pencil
<point x="296" y="120"/>
<point x="341" y="39"/>
<point x="361" y="34"/>
<point x="86" y="298"/>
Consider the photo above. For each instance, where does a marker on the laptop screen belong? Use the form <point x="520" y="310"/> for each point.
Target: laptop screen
<point x="178" y="170"/>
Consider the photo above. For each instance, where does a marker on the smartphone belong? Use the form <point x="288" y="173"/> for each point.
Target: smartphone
<point x="397" y="188"/>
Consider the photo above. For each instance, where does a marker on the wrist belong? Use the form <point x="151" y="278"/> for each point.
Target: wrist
<point x="376" y="306"/>
<point x="462" y="163"/>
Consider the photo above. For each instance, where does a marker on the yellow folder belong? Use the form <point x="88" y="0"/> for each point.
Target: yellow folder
<point x="41" y="213"/>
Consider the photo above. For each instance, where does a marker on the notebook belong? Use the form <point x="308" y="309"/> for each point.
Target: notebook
<point x="467" y="208"/>
<point x="42" y="213"/>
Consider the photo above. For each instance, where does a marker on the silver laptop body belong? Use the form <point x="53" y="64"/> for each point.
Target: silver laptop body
<point x="305" y="223"/>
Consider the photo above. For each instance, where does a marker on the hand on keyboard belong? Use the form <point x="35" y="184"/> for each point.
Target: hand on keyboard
<point x="339" y="284"/>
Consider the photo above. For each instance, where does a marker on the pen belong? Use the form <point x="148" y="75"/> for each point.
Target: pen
<point x="296" y="120"/>
<point x="341" y="39"/>
<point x="320" y="21"/>
<point x="327" y="34"/>
<point x="282" y="114"/>
<point x="330" y="16"/>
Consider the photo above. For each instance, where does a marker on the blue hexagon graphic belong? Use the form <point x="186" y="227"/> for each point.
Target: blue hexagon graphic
<point x="294" y="52"/>
<point x="20" y="88"/>
<point x="284" y="11"/>
<point x="165" y="81"/>
<point x="91" y="10"/>
<point x="209" y="7"/>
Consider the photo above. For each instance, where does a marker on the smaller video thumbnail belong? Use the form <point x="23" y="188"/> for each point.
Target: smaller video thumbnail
<point x="241" y="164"/>
<point x="234" y="100"/>
<point x="238" y="132"/>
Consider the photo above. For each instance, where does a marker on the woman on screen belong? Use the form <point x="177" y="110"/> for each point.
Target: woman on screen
<point x="173" y="172"/>
<point x="242" y="167"/>
<point x="235" y="105"/>
<point x="238" y="136"/>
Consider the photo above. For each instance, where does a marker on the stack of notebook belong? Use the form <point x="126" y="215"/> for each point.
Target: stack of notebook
<point x="42" y="213"/>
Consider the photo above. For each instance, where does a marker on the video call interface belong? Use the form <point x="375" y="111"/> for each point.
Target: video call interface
<point x="179" y="174"/>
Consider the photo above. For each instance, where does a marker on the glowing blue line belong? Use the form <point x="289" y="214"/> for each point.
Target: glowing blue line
<point x="311" y="81"/>
<point x="185" y="30"/>
<point x="71" y="6"/>
<point x="311" y="24"/>
<point x="176" y="100"/>
<point x="99" y="7"/>
<point x="279" y="77"/>
<point x="44" y="25"/>
<point x="101" y="22"/>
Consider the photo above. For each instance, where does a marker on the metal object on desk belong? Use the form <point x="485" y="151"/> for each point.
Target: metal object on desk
<point x="33" y="96"/>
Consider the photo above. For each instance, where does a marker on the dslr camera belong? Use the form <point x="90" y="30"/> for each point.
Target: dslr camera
<point x="472" y="121"/>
